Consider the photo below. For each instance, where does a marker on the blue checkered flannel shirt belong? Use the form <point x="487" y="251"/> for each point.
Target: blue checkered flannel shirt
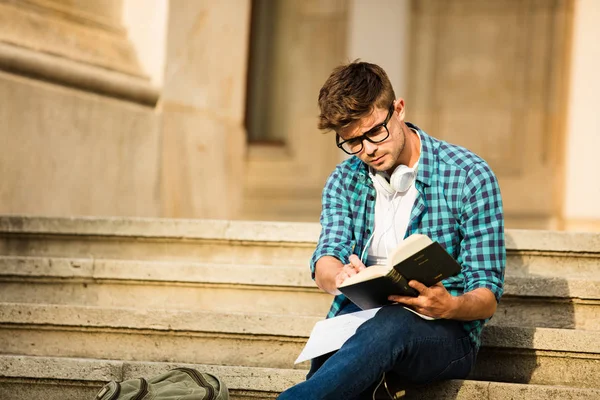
<point x="458" y="205"/>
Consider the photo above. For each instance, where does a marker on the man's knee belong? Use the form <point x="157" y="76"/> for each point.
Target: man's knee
<point x="388" y="333"/>
<point x="392" y="320"/>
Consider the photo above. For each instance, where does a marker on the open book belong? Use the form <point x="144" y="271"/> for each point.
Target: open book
<point x="416" y="258"/>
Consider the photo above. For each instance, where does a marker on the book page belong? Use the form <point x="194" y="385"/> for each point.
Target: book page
<point x="374" y="271"/>
<point x="426" y="317"/>
<point x="409" y="246"/>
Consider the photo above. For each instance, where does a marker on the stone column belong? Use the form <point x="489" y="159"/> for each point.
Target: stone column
<point x="580" y="187"/>
<point x="203" y="107"/>
<point x="78" y="130"/>
<point x="76" y="43"/>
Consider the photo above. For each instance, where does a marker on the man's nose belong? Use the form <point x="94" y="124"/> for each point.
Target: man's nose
<point x="369" y="147"/>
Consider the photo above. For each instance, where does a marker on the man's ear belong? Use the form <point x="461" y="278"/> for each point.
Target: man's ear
<point x="399" y="108"/>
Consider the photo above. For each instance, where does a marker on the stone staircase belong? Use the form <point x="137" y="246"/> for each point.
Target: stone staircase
<point x="87" y="300"/>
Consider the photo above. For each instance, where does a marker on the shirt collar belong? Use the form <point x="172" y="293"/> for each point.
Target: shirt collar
<point x="427" y="157"/>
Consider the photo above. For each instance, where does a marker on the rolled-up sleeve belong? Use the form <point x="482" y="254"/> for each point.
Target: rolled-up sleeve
<point x="483" y="251"/>
<point x="336" y="221"/>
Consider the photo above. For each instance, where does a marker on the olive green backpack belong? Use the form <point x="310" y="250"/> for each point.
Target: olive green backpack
<point x="176" y="384"/>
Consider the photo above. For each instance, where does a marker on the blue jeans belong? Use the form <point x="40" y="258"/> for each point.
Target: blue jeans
<point x="416" y="350"/>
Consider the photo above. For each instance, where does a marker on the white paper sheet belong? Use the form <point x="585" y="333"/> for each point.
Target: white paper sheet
<point x="330" y="334"/>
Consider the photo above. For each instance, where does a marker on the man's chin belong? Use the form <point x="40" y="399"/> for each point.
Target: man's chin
<point x="380" y="166"/>
<point x="377" y="168"/>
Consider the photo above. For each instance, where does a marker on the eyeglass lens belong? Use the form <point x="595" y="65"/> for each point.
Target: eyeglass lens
<point x="355" y="145"/>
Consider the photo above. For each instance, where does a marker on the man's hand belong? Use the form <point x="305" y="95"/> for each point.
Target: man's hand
<point x="352" y="268"/>
<point x="330" y="273"/>
<point x="434" y="301"/>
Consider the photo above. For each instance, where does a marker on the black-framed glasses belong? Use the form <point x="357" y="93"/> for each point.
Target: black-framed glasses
<point x="377" y="134"/>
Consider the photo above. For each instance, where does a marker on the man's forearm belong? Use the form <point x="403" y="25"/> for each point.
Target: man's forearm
<point x="477" y="304"/>
<point x="326" y="269"/>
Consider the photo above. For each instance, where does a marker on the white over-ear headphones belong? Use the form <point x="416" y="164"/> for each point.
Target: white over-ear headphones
<point x="401" y="180"/>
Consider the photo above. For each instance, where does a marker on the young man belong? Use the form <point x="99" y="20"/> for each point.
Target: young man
<point x="401" y="181"/>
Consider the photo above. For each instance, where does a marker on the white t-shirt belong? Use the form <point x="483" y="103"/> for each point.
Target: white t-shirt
<point x="392" y="215"/>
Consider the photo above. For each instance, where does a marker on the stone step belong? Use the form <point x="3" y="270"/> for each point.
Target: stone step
<point x="547" y="312"/>
<point x="55" y="378"/>
<point x="546" y="253"/>
<point x="583" y="285"/>
<point x="209" y="241"/>
<point x="529" y="300"/>
<point x="525" y="355"/>
<point x="144" y="284"/>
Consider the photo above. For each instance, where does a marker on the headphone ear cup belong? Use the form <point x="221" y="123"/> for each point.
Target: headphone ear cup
<point x="402" y="178"/>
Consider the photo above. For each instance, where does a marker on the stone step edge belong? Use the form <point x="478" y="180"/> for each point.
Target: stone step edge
<point x="163" y="228"/>
<point x="582" y="287"/>
<point x="269" y="380"/>
<point x="292" y="327"/>
<point x="255" y="231"/>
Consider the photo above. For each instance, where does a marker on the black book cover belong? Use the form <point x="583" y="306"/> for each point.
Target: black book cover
<point x="428" y="266"/>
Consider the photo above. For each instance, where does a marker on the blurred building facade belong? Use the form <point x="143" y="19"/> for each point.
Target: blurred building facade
<point x="207" y="109"/>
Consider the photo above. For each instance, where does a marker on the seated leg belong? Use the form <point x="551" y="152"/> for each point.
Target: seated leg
<point x="395" y="339"/>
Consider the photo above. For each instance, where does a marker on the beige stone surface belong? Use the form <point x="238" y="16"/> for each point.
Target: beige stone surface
<point x="547" y="312"/>
<point x="536" y="368"/>
<point x="203" y="106"/>
<point x="545" y="288"/>
<point x="200" y="297"/>
<point x="60" y="368"/>
<point x="527" y="300"/>
<point x="89" y="32"/>
<point x="510" y="90"/>
<point x="17" y="389"/>
<point x="136" y="272"/>
<point x="550" y="339"/>
<point x="504" y="391"/>
<point x="100" y="157"/>
<point x="76" y="369"/>
<point x="222" y="252"/>
<point x="535" y="355"/>
<point x="583" y="286"/>
<point x="544" y="240"/>
<point x="572" y="285"/>
<point x="155" y="285"/>
<point x="202" y="163"/>
<point x="159" y="320"/>
<point x="243" y="382"/>
<point x="543" y="312"/>
<point x="548" y="264"/>
<point x="516" y="239"/>
<point x="147" y="345"/>
<point x="164" y="228"/>
<point x="66" y="72"/>
<point x="286" y="326"/>
<point x="476" y="390"/>
<point x="580" y="205"/>
<point x="284" y="181"/>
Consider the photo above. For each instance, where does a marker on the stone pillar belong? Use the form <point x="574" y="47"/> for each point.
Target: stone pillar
<point x="393" y="24"/>
<point x="81" y="30"/>
<point x="76" y="43"/>
<point x="77" y="135"/>
<point x="203" y="108"/>
<point x="581" y="189"/>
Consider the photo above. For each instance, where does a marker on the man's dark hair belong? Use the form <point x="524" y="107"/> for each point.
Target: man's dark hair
<point x="352" y="92"/>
